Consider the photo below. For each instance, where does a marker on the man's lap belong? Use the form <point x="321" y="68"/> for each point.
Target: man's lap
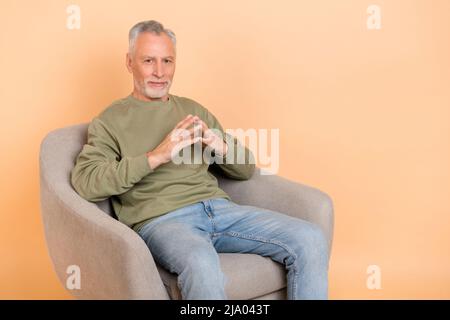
<point x="219" y="220"/>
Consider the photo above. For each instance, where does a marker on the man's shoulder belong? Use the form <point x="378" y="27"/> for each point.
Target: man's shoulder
<point x="112" y="110"/>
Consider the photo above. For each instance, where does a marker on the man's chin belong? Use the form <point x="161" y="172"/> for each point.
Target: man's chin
<point x="155" y="94"/>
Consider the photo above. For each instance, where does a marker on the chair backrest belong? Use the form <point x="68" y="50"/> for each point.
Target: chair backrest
<point x="60" y="148"/>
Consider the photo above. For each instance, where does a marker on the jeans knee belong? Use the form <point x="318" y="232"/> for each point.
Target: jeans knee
<point x="311" y="243"/>
<point x="204" y="271"/>
<point x="203" y="263"/>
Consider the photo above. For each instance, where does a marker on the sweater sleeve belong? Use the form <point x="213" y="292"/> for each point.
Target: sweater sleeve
<point x="100" y="171"/>
<point x="230" y="166"/>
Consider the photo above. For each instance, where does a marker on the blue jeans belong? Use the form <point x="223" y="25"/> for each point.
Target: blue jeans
<point x="187" y="241"/>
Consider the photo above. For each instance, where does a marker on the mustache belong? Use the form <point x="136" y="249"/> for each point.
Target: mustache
<point x="156" y="80"/>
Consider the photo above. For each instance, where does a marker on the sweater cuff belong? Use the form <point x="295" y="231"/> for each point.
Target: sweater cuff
<point x="232" y="143"/>
<point x="140" y="166"/>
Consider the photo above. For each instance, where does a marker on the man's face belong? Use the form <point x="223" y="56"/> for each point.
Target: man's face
<point x="152" y="63"/>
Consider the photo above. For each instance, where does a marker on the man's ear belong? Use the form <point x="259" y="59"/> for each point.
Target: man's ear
<point x="128" y="63"/>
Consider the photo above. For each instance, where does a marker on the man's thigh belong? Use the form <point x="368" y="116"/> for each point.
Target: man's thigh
<point x="250" y="229"/>
<point x="175" y="245"/>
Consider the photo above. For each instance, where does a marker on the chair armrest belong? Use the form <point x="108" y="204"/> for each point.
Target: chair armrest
<point x="285" y="196"/>
<point x="114" y="261"/>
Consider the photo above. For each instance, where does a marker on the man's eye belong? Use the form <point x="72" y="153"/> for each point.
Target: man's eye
<point x="168" y="61"/>
<point x="148" y="61"/>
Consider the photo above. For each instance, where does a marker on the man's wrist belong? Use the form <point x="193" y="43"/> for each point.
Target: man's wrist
<point x="224" y="150"/>
<point x="153" y="160"/>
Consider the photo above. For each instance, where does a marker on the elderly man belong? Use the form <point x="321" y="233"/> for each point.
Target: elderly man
<point x="177" y="207"/>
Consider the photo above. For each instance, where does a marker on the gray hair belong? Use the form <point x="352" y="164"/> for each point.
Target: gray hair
<point x="148" y="26"/>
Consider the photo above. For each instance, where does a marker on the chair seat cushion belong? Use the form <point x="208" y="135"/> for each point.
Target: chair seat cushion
<point x="249" y="276"/>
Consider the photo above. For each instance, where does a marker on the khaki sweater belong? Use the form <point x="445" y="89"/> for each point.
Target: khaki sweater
<point x="113" y="162"/>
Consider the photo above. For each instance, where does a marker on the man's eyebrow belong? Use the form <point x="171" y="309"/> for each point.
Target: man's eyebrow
<point x="168" y="57"/>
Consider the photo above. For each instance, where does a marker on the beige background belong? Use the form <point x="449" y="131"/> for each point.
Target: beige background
<point x="363" y="115"/>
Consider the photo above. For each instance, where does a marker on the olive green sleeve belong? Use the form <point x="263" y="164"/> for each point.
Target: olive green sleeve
<point x="239" y="162"/>
<point x="99" y="171"/>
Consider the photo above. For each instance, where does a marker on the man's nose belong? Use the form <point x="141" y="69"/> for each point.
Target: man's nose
<point x="158" y="70"/>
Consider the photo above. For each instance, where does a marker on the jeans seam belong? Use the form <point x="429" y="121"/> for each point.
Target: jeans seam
<point x="213" y="225"/>
<point x="278" y="243"/>
<point x="209" y="212"/>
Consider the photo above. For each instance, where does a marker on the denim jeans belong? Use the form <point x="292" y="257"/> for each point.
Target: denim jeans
<point x="187" y="241"/>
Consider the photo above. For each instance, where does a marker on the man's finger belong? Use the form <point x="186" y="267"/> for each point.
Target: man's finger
<point x="186" y="124"/>
<point x="208" y="140"/>
<point x="185" y="120"/>
<point x="186" y="142"/>
<point x="181" y="134"/>
<point x="204" y="126"/>
<point x="197" y="129"/>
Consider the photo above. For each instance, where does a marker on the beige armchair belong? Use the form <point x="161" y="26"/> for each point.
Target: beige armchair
<point x="114" y="261"/>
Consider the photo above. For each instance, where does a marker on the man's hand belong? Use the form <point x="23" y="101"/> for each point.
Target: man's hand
<point x="179" y="138"/>
<point x="215" y="142"/>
